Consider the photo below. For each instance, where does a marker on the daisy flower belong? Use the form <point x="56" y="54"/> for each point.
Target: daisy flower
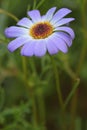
<point x="38" y="34"/>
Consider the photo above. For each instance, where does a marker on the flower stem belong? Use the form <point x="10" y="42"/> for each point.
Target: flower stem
<point x="57" y="82"/>
<point x="34" y="5"/>
<point x="35" y="121"/>
<point x="78" y="69"/>
<point x="39" y="4"/>
<point x="84" y="47"/>
<point x="41" y="108"/>
<point x="74" y="88"/>
<point x="9" y="14"/>
<point x="31" y="92"/>
<point x="24" y="64"/>
<point x="60" y="98"/>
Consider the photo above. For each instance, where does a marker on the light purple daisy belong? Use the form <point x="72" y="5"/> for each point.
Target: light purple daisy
<point x="38" y="34"/>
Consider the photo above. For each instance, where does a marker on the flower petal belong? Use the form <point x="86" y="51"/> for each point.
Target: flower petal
<point x="60" y="14"/>
<point x="49" y="14"/>
<point x="65" y="37"/>
<point x="59" y="43"/>
<point x="34" y="15"/>
<point x="63" y="21"/>
<point x="28" y="49"/>
<point x="67" y="30"/>
<point x="40" y="48"/>
<point x="18" y="42"/>
<point x="25" y="22"/>
<point x="52" y="49"/>
<point x="14" y="31"/>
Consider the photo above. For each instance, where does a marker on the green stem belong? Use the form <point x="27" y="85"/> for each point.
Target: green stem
<point x="80" y="63"/>
<point x="41" y="108"/>
<point x="24" y="64"/>
<point x="84" y="48"/>
<point x="32" y="64"/>
<point x="34" y="5"/>
<point x="82" y="58"/>
<point x="76" y="84"/>
<point x="40" y="3"/>
<point x="35" y="121"/>
<point x="9" y="14"/>
<point x="63" y="127"/>
<point x="57" y="82"/>
<point x="31" y="91"/>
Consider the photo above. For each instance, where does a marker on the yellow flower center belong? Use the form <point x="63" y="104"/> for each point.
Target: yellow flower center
<point x="41" y="30"/>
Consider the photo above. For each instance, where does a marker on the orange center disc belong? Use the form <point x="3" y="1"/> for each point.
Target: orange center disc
<point x="41" y="30"/>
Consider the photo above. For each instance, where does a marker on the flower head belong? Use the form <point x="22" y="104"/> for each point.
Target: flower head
<point x="38" y="34"/>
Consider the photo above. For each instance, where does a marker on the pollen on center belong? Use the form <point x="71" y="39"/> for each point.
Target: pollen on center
<point x="41" y="30"/>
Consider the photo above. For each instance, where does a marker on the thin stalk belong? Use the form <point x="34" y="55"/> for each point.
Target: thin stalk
<point x="9" y="14"/>
<point x="60" y="98"/>
<point x="31" y="92"/>
<point x="34" y="5"/>
<point x="81" y="61"/>
<point x="74" y="88"/>
<point x="35" y="120"/>
<point x="59" y="93"/>
<point x="39" y="4"/>
<point x="41" y="108"/>
<point x="84" y="47"/>
<point x="32" y="65"/>
<point x="24" y="65"/>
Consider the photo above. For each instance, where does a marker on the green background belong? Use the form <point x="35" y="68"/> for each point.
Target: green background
<point x="15" y="101"/>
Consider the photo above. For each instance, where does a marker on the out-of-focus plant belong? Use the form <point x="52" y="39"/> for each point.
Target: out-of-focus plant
<point x="28" y="96"/>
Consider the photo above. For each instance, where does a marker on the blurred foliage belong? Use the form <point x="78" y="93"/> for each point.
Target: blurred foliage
<point x="15" y="102"/>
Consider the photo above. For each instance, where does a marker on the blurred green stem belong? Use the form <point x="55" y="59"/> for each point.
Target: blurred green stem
<point x="59" y="93"/>
<point x="57" y="82"/>
<point x="74" y="88"/>
<point x="24" y="64"/>
<point x="9" y="14"/>
<point x="80" y="63"/>
<point x="40" y="3"/>
<point x="84" y="47"/>
<point x="31" y="91"/>
<point x="35" y="121"/>
<point x="34" y="5"/>
<point x="32" y="65"/>
<point x="41" y="108"/>
<point x="35" y="95"/>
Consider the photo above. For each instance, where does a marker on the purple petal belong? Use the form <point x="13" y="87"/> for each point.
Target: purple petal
<point x="28" y="49"/>
<point x="60" y="14"/>
<point x="65" y="37"/>
<point x="67" y="30"/>
<point x="18" y="42"/>
<point x="52" y="49"/>
<point x="34" y="15"/>
<point x="40" y="48"/>
<point x="49" y="14"/>
<point x="25" y="22"/>
<point x="63" y="21"/>
<point x="59" y="43"/>
<point x="14" y="31"/>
